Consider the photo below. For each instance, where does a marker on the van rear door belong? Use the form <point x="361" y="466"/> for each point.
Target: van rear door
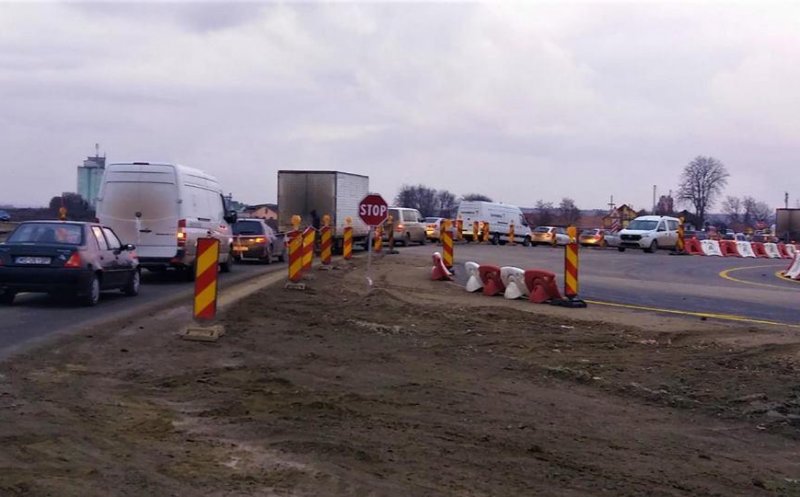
<point x="140" y="203"/>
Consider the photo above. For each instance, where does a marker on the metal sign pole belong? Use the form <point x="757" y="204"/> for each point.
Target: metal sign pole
<point x="369" y="258"/>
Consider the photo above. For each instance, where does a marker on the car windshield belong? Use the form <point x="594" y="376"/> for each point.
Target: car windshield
<point x="642" y="224"/>
<point x="248" y="228"/>
<point x="68" y="234"/>
<point x="589" y="232"/>
<point x="542" y="229"/>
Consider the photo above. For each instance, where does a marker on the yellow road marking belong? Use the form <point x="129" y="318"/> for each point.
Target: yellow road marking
<point x="726" y="275"/>
<point x="780" y="275"/>
<point x="711" y="315"/>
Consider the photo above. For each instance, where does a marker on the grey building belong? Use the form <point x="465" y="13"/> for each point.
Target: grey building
<point x="90" y="174"/>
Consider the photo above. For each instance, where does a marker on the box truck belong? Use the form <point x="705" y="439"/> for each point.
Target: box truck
<point x="313" y="194"/>
<point x="787" y="224"/>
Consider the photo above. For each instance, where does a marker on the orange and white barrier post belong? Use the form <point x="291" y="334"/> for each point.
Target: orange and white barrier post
<point x="309" y="235"/>
<point x="326" y="242"/>
<point x="475" y="232"/>
<point x="378" y="243"/>
<point x="459" y="229"/>
<point x="447" y="244"/>
<point x="205" y="282"/>
<point x="511" y="233"/>
<point x="486" y="231"/>
<point x="295" y="255"/>
<point x="347" y="243"/>
<point x="571" y="263"/>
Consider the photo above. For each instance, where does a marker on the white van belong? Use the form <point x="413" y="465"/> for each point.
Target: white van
<point x="499" y="216"/>
<point x="163" y="209"/>
<point x="650" y="233"/>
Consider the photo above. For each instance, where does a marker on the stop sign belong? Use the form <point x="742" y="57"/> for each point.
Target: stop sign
<point x="373" y="210"/>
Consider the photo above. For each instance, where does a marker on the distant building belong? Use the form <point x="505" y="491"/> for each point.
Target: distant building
<point x="90" y="174"/>
<point x="619" y="217"/>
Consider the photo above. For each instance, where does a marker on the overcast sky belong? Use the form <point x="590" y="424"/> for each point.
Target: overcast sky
<point x="519" y="101"/>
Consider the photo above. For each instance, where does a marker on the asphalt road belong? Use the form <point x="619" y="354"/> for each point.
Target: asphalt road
<point x="36" y="316"/>
<point x="747" y="288"/>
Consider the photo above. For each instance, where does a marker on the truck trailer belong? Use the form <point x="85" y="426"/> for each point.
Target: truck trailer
<point x="313" y="194"/>
<point x="787" y="224"/>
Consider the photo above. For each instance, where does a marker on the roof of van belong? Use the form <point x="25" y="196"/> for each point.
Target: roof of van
<point x="182" y="168"/>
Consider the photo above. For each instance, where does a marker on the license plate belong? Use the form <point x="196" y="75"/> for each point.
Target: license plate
<point x="33" y="260"/>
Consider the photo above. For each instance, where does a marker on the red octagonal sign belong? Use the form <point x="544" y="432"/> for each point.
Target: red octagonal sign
<point x="373" y="210"/>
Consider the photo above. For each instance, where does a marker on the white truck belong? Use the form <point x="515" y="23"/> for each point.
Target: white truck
<point x="313" y="194"/>
<point x="499" y="216"/>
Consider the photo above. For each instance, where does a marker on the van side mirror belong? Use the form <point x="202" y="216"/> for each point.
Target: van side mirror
<point x="661" y="228"/>
<point x="129" y="247"/>
<point x="231" y="217"/>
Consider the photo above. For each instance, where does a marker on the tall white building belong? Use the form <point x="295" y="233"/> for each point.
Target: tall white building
<point x="90" y="174"/>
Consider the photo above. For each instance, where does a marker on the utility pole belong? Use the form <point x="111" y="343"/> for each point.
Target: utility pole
<point x="654" y="199"/>
<point x="786" y="199"/>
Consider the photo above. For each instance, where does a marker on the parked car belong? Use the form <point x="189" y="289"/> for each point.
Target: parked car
<point x="409" y="226"/>
<point x="163" y="209"/>
<point x="549" y="235"/>
<point x="650" y="233"/>
<point x="593" y="238"/>
<point x="255" y="240"/>
<point x="68" y="258"/>
<point x="5" y="216"/>
<point x="433" y="226"/>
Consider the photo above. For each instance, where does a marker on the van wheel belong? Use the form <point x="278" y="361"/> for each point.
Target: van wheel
<point x="652" y="248"/>
<point x="407" y="240"/>
<point x="188" y="272"/>
<point x="621" y="249"/>
<point x="496" y="239"/>
<point x="526" y="242"/>
<point x="226" y="266"/>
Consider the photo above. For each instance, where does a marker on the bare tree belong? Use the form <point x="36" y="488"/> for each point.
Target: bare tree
<point x="701" y="182"/>
<point x="732" y="207"/>
<point x="476" y="197"/>
<point x="446" y="203"/>
<point x="755" y="211"/>
<point x="569" y="211"/>
<point x="544" y="213"/>
<point x="418" y="197"/>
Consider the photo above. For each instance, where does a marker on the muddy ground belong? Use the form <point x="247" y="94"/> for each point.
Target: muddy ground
<point x="415" y="389"/>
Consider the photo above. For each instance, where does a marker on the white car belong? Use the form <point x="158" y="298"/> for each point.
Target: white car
<point x="650" y="233"/>
<point x="549" y="235"/>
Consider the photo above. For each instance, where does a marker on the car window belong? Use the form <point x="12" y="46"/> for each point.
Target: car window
<point x="248" y="228"/>
<point x="69" y="234"/>
<point x="672" y="225"/>
<point x="410" y="216"/>
<point x="542" y="229"/>
<point x="111" y="238"/>
<point x="644" y="225"/>
<point x="98" y="236"/>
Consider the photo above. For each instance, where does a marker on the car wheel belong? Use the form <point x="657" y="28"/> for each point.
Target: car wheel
<point x="131" y="289"/>
<point x="7" y="297"/>
<point x="496" y="239"/>
<point x="526" y="242"/>
<point x="267" y="259"/>
<point x="92" y="295"/>
<point x="188" y="272"/>
<point x="652" y="248"/>
<point x="621" y="249"/>
<point x="407" y="240"/>
<point x="226" y="266"/>
<point x="282" y="256"/>
<point x="424" y="240"/>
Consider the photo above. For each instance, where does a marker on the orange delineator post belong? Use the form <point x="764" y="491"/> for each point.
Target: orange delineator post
<point x="459" y="229"/>
<point x="308" y="247"/>
<point x="475" y="232"/>
<point x="325" y="245"/>
<point x="447" y="245"/>
<point x="347" y="245"/>
<point x="486" y="231"/>
<point x="295" y="255"/>
<point x="511" y="234"/>
<point x="205" y="282"/>
<point x="571" y="270"/>
<point x="378" y="242"/>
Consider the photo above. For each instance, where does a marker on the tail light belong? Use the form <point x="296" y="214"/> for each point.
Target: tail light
<point x="260" y="239"/>
<point x="181" y="233"/>
<point x="74" y="260"/>
<point x="399" y="227"/>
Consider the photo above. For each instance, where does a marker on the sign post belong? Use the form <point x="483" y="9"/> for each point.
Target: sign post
<point x="373" y="210"/>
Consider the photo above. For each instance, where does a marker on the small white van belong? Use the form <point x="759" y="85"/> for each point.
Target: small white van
<point x="650" y="233"/>
<point x="163" y="209"/>
<point x="499" y="216"/>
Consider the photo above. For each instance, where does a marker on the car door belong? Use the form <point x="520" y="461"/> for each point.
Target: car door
<point x="106" y="259"/>
<point x="125" y="260"/>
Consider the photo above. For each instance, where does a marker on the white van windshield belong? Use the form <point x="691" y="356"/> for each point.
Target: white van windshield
<point x="643" y="225"/>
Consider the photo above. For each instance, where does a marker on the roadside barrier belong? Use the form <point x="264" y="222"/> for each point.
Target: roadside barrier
<point x="772" y="250"/>
<point x="474" y="282"/>
<point x="378" y="242"/>
<point x="514" y="280"/>
<point x="745" y="249"/>
<point x="693" y="247"/>
<point x="447" y="244"/>
<point x="728" y="248"/>
<point x="325" y="245"/>
<point x="486" y="231"/>
<point x="459" y="229"/>
<point x="511" y="233"/>
<point x="347" y="244"/>
<point x="438" y="271"/>
<point x="205" y="282"/>
<point x="309" y="235"/>
<point x="759" y="250"/>
<point x="711" y="247"/>
<point x="791" y="250"/>
<point x="295" y="256"/>
<point x="782" y="250"/>
<point x="541" y="285"/>
<point x="490" y="277"/>
<point x="793" y="271"/>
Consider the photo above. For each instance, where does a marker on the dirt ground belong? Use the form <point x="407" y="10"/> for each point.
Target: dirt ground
<point x="415" y="389"/>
